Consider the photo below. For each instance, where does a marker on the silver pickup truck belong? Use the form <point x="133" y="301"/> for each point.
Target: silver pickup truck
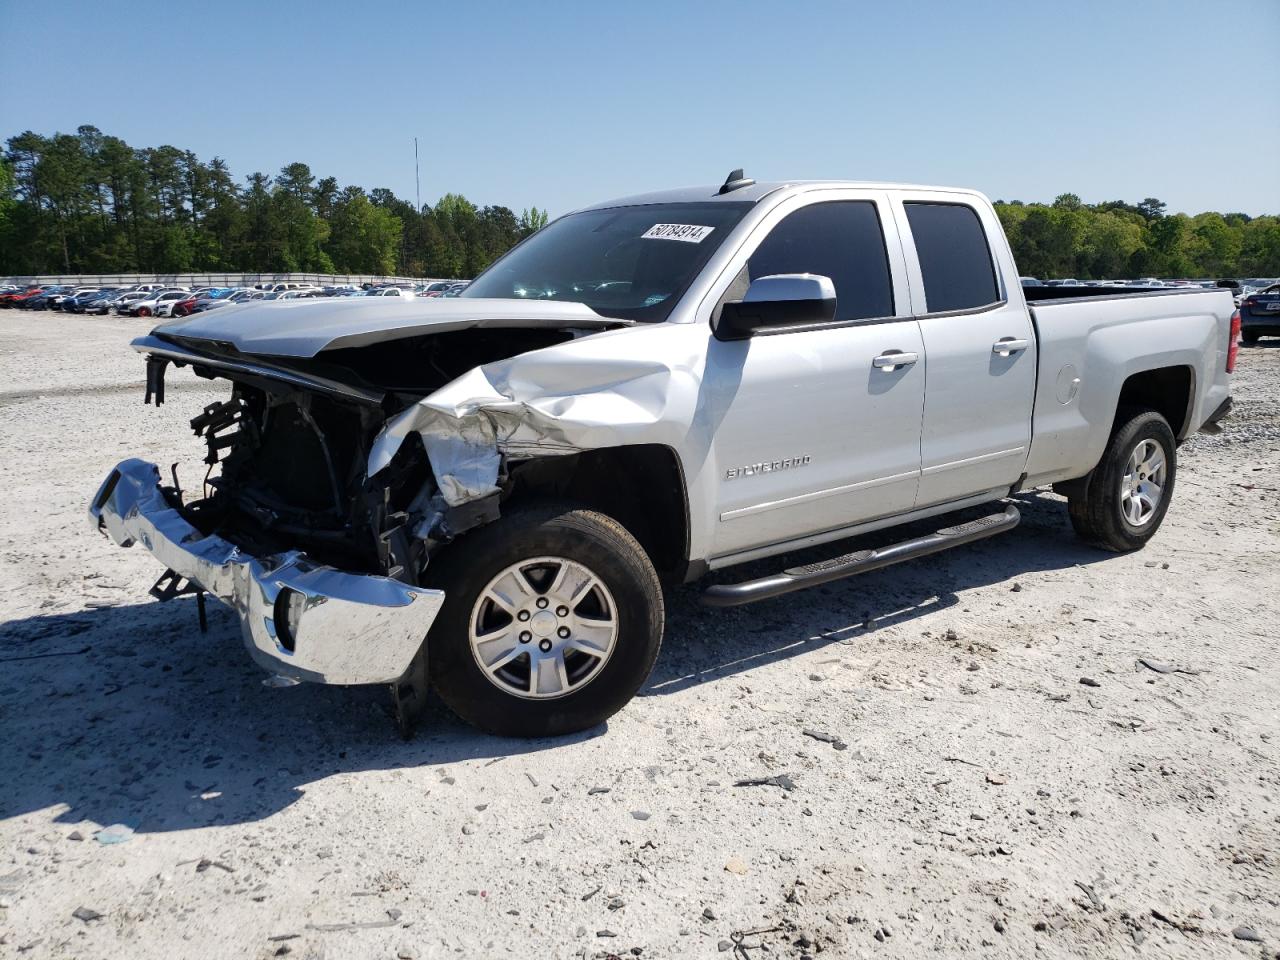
<point x="488" y="493"/>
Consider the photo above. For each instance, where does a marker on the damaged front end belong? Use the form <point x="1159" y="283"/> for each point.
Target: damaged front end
<point x="301" y="620"/>
<point x="321" y="553"/>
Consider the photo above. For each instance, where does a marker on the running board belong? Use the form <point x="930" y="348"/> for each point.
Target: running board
<point x="851" y="564"/>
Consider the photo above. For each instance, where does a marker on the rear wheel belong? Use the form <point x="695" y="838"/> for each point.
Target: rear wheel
<point x="552" y="620"/>
<point x="1127" y="495"/>
<point x="1248" y="338"/>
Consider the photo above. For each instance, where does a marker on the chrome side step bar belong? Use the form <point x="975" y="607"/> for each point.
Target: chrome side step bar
<point x="851" y="564"/>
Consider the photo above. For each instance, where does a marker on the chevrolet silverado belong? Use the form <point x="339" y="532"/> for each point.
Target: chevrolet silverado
<point x="487" y="493"/>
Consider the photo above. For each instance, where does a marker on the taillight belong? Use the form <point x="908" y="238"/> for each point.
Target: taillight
<point x="1233" y="347"/>
<point x="1249" y="302"/>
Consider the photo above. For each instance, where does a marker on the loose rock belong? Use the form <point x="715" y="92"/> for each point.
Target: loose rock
<point x="116" y="833"/>
<point x="781" y="780"/>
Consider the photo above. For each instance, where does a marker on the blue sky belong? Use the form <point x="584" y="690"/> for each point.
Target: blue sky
<point x="560" y="104"/>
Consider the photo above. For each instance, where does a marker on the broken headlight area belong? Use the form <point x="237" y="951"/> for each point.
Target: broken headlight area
<point x="286" y="471"/>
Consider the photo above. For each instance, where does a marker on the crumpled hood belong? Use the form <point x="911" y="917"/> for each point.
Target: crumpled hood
<point x="303" y="328"/>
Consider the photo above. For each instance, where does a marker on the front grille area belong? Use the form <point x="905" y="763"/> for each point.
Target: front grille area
<point x="292" y="476"/>
<point x="307" y="454"/>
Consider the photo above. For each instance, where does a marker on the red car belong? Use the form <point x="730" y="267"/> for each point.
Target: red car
<point x="183" y="308"/>
<point x="16" y="297"/>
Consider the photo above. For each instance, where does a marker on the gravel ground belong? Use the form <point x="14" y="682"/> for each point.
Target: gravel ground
<point x="1007" y="776"/>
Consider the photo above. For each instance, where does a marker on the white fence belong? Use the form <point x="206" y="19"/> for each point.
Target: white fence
<point x="208" y="279"/>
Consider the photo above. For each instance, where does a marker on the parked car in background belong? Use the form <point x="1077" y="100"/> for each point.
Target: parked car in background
<point x="282" y="287"/>
<point x="184" y="307"/>
<point x="41" y="300"/>
<point x="82" y="304"/>
<point x="107" y="302"/>
<point x="1031" y="282"/>
<point x="436" y="289"/>
<point x="166" y="302"/>
<point x="148" y="305"/>
<point x="69" y="304"/>
<point x="56" y="301"/>
<point x="390" y="292"/>
<point x="1250" y="286"/>
<point x="240" y="296"/>
<point x="16" y="298"/>
<point x="1260" y="315"/>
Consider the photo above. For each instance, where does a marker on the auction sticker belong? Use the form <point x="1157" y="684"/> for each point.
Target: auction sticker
<point x="688" y="232"/>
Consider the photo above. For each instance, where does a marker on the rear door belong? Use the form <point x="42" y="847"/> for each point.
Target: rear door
<point x="981" y="347"/>
<point x="816" y="429"/>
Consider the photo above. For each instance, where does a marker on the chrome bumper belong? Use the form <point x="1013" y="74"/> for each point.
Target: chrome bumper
<point x="300" y="619"/>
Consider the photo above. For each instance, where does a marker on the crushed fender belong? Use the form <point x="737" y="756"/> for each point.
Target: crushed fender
<point x="550" y="402"/>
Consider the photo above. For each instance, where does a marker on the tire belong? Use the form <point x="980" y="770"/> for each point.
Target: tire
<point x="1249" y="339"/>
<point x="1102" y="514"/>
<point x="540" y="540"/>
<point x="143" y="312"/>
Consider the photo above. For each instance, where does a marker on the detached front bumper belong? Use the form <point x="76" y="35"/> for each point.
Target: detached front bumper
<point x="300" y="619"/>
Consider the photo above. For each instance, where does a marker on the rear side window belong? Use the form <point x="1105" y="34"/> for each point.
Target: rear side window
<point x="954" y="256"/>
<point x="841" y="240"/>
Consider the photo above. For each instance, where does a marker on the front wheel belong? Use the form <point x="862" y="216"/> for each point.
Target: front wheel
<point x="1126" y="497"/>
<point x="552" y="620"/>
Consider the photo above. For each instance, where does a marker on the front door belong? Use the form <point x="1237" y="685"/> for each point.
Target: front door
<point x="820" y="428"/>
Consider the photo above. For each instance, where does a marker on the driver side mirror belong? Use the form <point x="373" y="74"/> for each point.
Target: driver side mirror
<point x="778" y="303"/>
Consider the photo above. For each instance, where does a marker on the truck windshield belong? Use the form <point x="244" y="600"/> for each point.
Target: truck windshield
<point x="633" y="263"/>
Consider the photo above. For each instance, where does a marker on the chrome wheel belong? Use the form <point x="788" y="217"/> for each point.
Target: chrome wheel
<point x="543" y="628"/>
<point x="1143" y="483"/>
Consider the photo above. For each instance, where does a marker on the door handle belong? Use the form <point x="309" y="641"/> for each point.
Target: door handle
<point x="891" y="360"/>
<point x="1007" y="345"/>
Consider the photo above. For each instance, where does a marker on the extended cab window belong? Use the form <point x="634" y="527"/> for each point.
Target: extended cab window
<point x="841" y="239"/>
<point x="954" y="257"/>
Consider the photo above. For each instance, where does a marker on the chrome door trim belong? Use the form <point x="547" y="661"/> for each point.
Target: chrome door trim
<point x="971" y="461"/>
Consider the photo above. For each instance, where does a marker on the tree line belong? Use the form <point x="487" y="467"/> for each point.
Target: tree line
<point x="90" y="203"/>
<point x="1118" y="241"/>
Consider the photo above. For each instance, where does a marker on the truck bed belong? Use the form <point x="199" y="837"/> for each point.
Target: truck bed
<point x="1050" y="294"/>
<point x="1092" y="342"/>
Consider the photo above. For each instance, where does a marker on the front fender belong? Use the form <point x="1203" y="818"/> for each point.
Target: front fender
<point x="622" y="387"/>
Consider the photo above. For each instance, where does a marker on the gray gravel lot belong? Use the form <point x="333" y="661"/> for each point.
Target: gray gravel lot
<point x="983" y="799"/>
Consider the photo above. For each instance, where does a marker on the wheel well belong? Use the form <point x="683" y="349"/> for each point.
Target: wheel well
<point x="642" y="487"/>
<point x="1166" y="390"/>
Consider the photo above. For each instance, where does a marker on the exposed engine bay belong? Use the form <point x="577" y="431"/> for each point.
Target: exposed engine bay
<point x="286" y="466"/>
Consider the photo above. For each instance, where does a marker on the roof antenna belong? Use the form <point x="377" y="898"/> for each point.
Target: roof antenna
<point x="735" y="181"/>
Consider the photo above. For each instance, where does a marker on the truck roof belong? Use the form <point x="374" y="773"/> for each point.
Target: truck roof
<point x="756" y="191"/>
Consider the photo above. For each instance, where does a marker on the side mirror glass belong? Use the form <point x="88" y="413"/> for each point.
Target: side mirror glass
<point x="783" y="301"/>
